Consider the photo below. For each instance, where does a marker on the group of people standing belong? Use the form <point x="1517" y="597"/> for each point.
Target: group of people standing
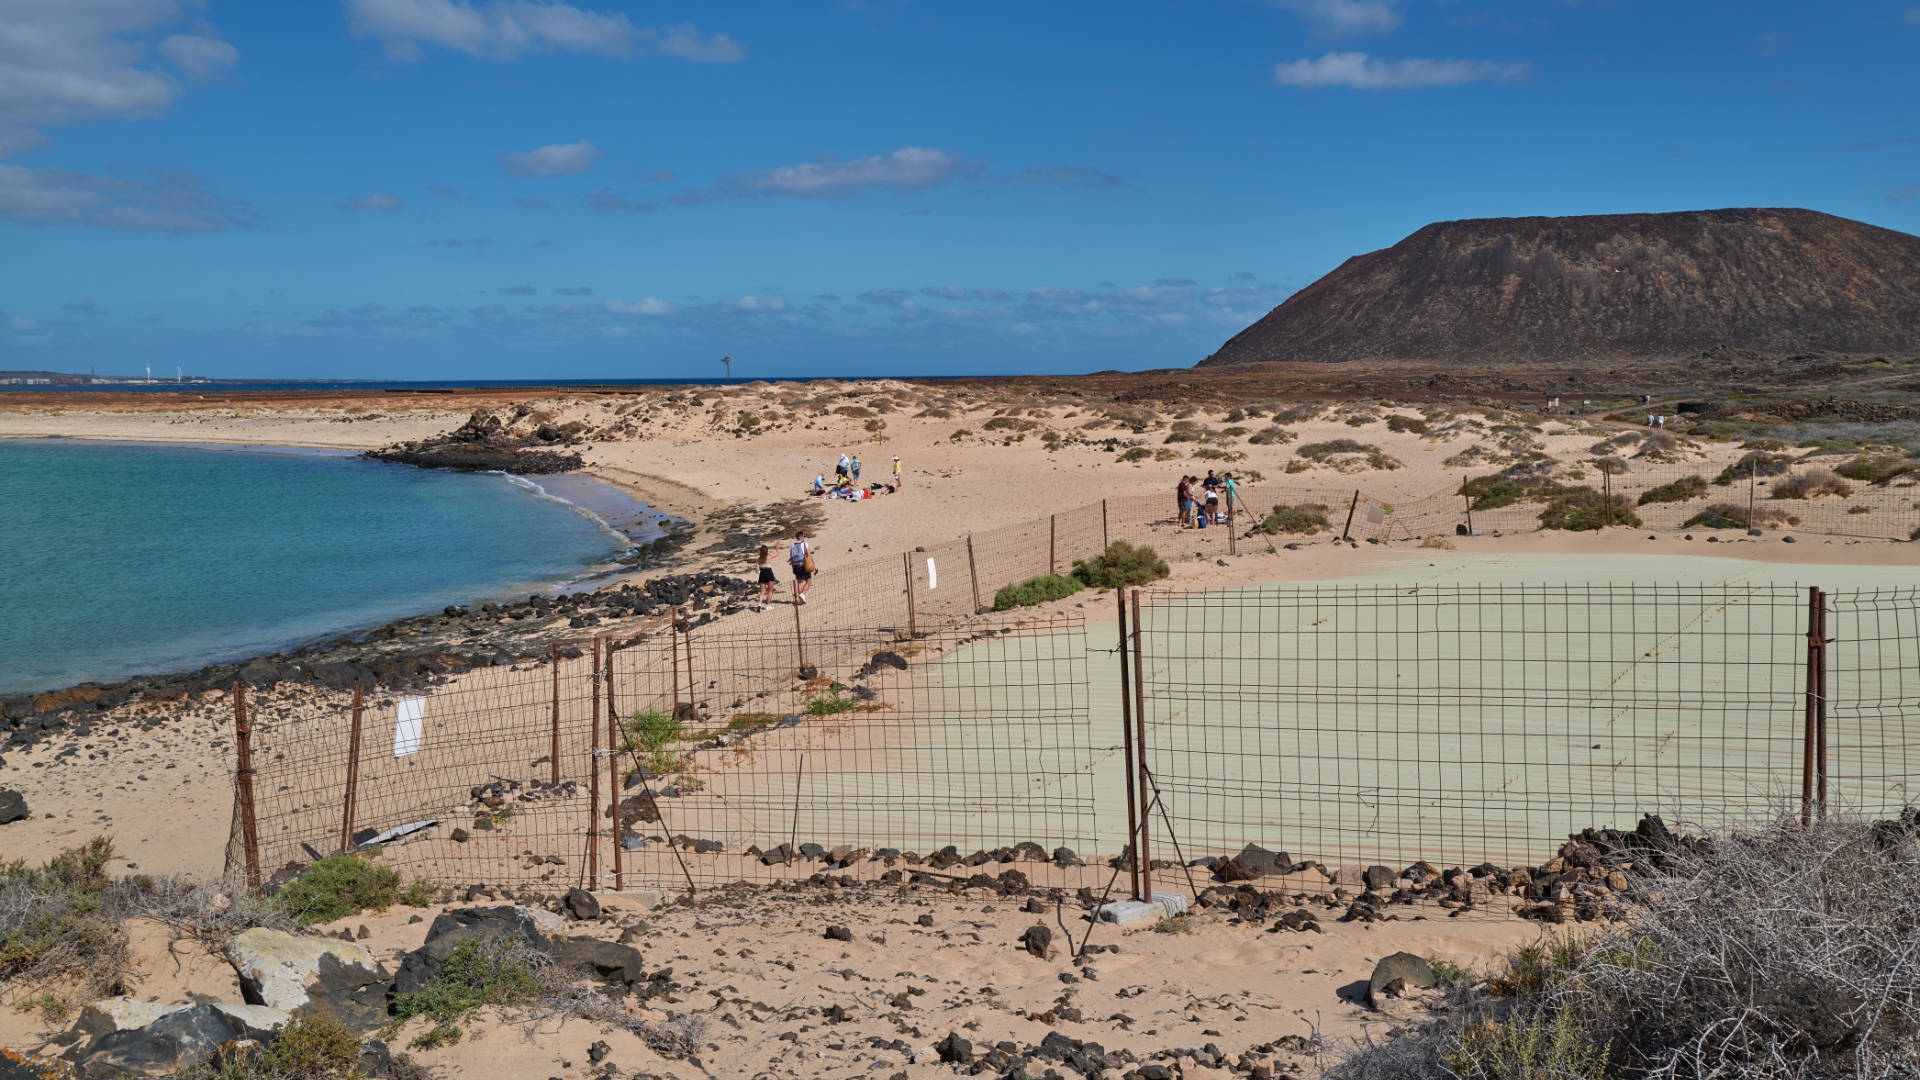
<point x="846" y="477"/>
<point x="1211" y="505"/>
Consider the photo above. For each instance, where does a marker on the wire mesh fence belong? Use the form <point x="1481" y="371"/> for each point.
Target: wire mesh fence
<point x="893" y="715"/>
<point x="1342" y="725"/>
<point x="1466" y="725"/>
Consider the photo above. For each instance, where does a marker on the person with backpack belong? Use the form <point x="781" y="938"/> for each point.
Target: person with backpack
<point x="800" y="555"/>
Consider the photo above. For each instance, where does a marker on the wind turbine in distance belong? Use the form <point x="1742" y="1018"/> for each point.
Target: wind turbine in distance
<point x="728" y="360"/>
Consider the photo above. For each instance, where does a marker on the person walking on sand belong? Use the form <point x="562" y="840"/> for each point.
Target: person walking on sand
<point x="1183" y="496"/>
<point x="800" y="555"/>
<point x="766" y="577"/>
<point x="897" y="483"/>
<point x="841" y="468"/>
<point x="1232" y="489"/>
<point x="856" y="471"/>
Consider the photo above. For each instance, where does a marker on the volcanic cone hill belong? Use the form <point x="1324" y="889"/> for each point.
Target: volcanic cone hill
<point x="1606" y="286"/>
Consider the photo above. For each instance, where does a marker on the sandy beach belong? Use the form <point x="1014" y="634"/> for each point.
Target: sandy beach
<point x="156" y="775"/>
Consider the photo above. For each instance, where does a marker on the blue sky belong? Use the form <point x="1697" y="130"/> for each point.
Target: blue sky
<point x="529" y="189"/>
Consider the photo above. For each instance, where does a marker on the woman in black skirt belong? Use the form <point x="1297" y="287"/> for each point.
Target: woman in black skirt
<point x="766" y="577"/>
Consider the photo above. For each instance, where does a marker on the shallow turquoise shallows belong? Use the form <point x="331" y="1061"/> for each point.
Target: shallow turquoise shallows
<point x="117" y="560"/>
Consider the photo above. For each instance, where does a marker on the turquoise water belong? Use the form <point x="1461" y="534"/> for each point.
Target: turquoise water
<point x="117" y="560"/>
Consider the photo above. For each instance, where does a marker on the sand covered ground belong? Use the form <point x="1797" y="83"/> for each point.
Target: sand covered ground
<point x="156" y="776"/>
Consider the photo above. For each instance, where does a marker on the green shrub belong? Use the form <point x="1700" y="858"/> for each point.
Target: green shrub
<point x="1305" y="518"/>
<point x="1035" y="590"/>
<point x="1496" y="490"/>
<point x="1877" y="469"/>
<point x="1584" y="509"/>
<point x="1687" y="487"/>
<point x="1412" y="425"/>
<point x="652" y="734"/>
<point x="1531" y="1046"/>
<point x="1208" y="453"/>
<point x="1135" y="453"/>
<point x="494" y="969"/>
<point x="1273" y="435"/>
<point x="338" y="886"/>
<point x="1322" y="452"/>
<point x="831" y="703"/>
<point x="1120" y="566"/>
<point x="1754" y="463"/>
<point x="58" y="921"/>
<point x="1729" y="516"/>
<point x="307" y="1048"/>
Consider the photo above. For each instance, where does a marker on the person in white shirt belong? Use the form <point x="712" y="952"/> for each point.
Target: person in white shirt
<point x="797" y="556"/>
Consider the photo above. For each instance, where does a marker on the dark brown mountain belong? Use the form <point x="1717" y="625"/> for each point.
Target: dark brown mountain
<point x="1606" y="286"/>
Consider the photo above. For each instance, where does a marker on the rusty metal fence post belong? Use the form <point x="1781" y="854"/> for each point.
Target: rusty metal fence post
<point x="1819" y="642"/>
<point x="243" y="784"/>
<point x="353" y="770"/>
<point x="1128" y="750"/>
<point x="906" y="571"/>
<point x="1233" y="542"/>
<point x="1351" y="507"/>
<point x="593" y="774"/>
<point x="973" y="575"/>
<point x="1143" y="856"/>
<point x="673" y="651"/>
<point x="1813" y="739"/>
<point x="1104" y="542"/>
<point x="1052" y="519"/>
<point x="553" y="753"/>
<point x="613" y="768"/>
<point x="799" y="640"/>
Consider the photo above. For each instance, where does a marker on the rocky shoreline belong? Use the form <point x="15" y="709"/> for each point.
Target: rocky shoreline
<point x="407" y="653"/>
<point x="486" y="444"/>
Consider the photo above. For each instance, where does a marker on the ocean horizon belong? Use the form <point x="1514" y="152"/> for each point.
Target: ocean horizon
<point x="126" y="559"/>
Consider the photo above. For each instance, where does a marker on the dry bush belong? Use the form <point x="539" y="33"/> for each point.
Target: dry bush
<point x="1811" y="485"/>
<point x="1272" y="436"/>
<point x="1790" y="953"/>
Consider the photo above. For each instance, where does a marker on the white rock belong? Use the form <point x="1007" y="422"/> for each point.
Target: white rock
<point x="1124" y="913"/>
<point x="276" y="968"/>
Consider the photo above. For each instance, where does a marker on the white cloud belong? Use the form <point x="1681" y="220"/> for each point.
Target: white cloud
<point x="75" y="61"/>
<point x="198" y="57"/>
<point x="762" y="303"/>
<point x="908" y="169"/>
<point x="571" y="159"/>
<point x="648" y="305"/>
<point x="1362" y="72"/>
<point x="506" y="29"/>
<point x="385" y="201"/>
<point x="1347" y="17"/>
<point x="165" y="202"/>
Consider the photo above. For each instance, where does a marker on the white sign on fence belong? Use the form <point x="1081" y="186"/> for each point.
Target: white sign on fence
<point x="933" y="576"/>
<point x="406" y="732"/>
